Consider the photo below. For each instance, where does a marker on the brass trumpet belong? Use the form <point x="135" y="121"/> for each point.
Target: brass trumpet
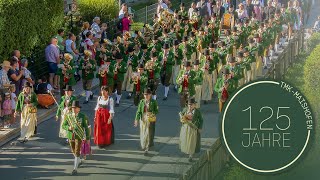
<point x="135" y="77"/>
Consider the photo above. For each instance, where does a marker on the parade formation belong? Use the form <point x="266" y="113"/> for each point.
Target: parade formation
<point x="202" y="57"/>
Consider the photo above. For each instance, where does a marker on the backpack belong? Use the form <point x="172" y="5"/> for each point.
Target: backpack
<point x="119" y="24"/>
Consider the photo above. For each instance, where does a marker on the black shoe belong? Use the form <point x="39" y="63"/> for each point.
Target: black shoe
<point x="165" y="98"/>
<point x="129" y="97"/>
<point x="117" y="105"/>
<point x="74" y="172"/>
<point x="86" y="102"/>
<point x="91" y="96"/>
<point x="205" y="102"/>
<point x="190" y="159"/>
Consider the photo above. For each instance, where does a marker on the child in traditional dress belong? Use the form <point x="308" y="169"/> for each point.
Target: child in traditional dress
<point x="14" y="101"/>
<point x="7" y="110"/>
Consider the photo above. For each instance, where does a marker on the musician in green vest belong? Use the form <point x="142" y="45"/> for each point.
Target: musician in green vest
<point x="66" y="70"/>
<point x="235" y="70"/>
<point x="192" y="122"/>
<point x="146" y="116"/>
<point x="76" y="124"/>
<point x="65" y="107"/>
<point x="186" y="82"/>
<point x="88" y="67"/>
<point x="139" y="80"/>
<point x="198" y="82"/>
<point x="178" y="57"/>
<point x="119" y="70"/>
<point x="186" y="48"/>
<point x="225" y="86"/>
<point x="166" y="59"/>
<point x="132" y="63"/>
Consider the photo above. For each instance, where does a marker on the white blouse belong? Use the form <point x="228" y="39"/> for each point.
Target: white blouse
<point x="107" y="102"/>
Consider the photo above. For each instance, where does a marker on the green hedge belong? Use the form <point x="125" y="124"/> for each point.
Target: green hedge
<point x="28" y="25"/>
<point x="137" y="26"/>
<point x="312" y="77"/>
<point x="105" y="9"/>
<point x="313" y="41"/>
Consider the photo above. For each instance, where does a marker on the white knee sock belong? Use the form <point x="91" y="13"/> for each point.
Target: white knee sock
<point x="130" y="94"/>
<point x="118" y="98"/>
<point x="87" y="95"/>
<point x="76" y="160"/>
<point x="154" y="97"/>
<point x="166" y="90"/>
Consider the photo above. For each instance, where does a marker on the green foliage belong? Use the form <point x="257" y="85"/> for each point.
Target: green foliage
<point x="27" y="25"/>
<point x="313" y="41"/>
<point x="312" y="78"/>
<point x="137" y="26"/>
<point x="105" y="9"/>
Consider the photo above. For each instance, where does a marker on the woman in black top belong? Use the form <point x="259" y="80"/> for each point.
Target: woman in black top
<point x="15" y="75"/>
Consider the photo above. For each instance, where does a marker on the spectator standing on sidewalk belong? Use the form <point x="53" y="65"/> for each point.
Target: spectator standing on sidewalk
<point x="16" y="55"/>
<point x="27" y="74"/>
<point x="123" y="10"/>
<point x="96" y="31"/>
<point x="126" y="22"/>
<point x="61" y="42"/>
<point x="15" y="76"/>
<point x="71" y="46"/>
<point x="53" y="58"/>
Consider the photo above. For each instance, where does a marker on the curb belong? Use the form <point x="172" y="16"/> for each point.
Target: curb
<point x="40" y="119"/>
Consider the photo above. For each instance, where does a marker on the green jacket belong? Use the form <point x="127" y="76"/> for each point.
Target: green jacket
<point x="143" y="83"/>
<point x="80" y="125"/>
<point x="134" y="61"/>
<point x="169" y="63"/>
<point x="237" y="73"/>
<point x="62" y="103"/>
<point x="191" y="81"/>
<point x="197" y="119"/>
<point x="199" y="77"/>
<point x="20" y="103"/>
<point x="70" y="73"/>
<point x="156" y="70"/>
<point x="211" y="67"/>
<point x="186" y="48"/>
<point x="109" y="76"/>
<point x="219" y="84"/>
<point x="121" y="70"/>
<point x="87" y="74"/>
<point x="153" y="107"/>
<point x="178" y="56"/>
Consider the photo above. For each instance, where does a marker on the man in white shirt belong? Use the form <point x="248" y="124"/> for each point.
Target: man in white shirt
<point x="96" y="31"/>
<point x="192" y="10"/>
<point x="123" y="10"/>
<point x="209" y="7"/>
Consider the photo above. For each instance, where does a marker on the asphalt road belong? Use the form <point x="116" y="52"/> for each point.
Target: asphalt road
<point x="47" y="157"/>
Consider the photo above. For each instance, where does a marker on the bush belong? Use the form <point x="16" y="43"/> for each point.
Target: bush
<point x="105" y="9"/>
<point x="137" y="26"/>
<point x="313" y="41"/>
<point x="27" y="25"/>
<point x="312" y="78"/>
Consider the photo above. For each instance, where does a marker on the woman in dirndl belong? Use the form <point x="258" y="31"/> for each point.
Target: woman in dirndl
<point x="191" y="119"/>
<point x="27" y="105"/>
<point x="146" y="115"/>
<point x="103" y="125"/>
